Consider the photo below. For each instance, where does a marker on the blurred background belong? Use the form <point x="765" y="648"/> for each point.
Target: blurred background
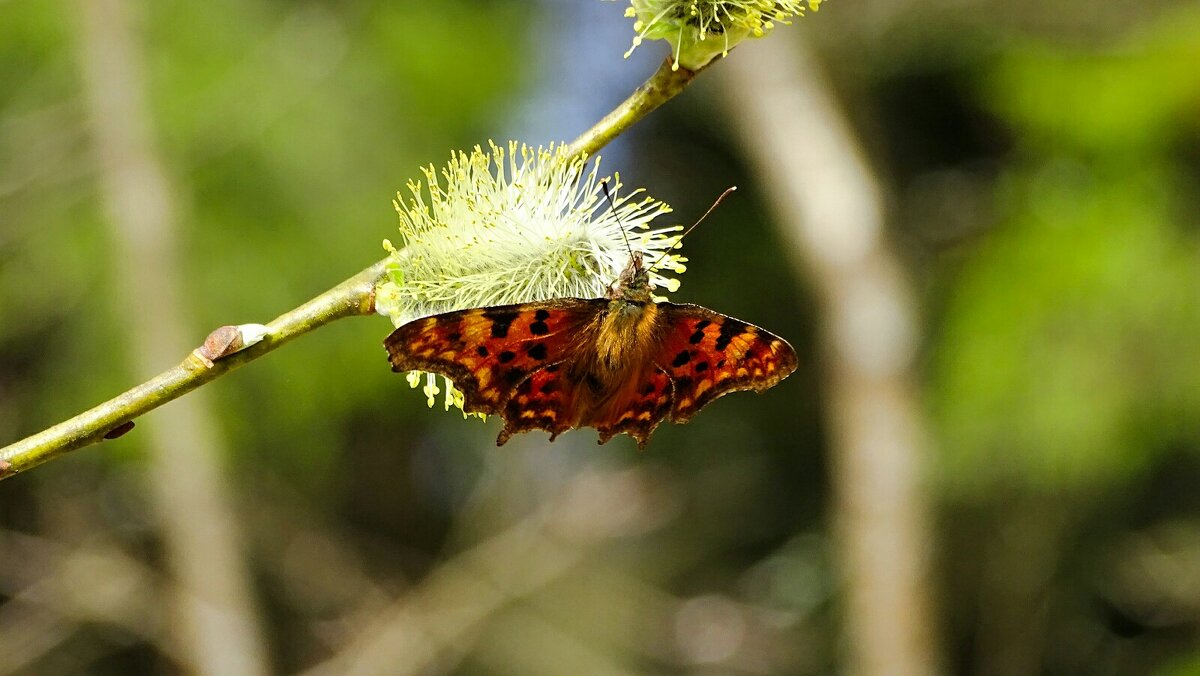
<point x="976" y="221"/>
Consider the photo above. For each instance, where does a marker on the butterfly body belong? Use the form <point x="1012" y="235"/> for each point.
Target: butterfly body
<point x="620" y="364"/>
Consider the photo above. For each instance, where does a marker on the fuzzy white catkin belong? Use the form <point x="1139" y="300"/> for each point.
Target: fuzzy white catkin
<point x="513" y="225"/>
<point x="701" y="30"/>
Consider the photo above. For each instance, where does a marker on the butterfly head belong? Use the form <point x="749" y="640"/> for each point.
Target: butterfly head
<point x="634" y="282"/>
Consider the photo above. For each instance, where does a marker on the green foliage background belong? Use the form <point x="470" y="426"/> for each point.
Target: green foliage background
<point x="1044" y="167"/>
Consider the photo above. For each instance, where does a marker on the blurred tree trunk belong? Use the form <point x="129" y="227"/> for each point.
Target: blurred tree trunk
<point x="829" y="207"/>
<point x="217" y="626"/>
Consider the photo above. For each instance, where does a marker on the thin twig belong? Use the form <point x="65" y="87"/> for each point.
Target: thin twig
<point x="353" y="297"/>
<point x="662" y="86"/>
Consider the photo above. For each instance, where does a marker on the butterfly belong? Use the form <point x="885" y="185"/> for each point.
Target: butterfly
<point x="619" y="364"/>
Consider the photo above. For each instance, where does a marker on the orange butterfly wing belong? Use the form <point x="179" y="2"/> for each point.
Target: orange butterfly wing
<point x="488" y="352"/>
<point x="516" y="361"/>
<point x="543" y="401"/>
<point x="701" y="355"/>
<point x="639" y="409"/>
<point x="708" y="354"/>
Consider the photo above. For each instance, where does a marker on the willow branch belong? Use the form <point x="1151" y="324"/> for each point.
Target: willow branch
<point x="662" y="86"/>
<point x="353" y="297"/>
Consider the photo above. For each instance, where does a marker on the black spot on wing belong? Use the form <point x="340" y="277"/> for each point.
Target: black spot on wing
<point x="537" y="351"/>
<point x="682" y="358"/>
<point x="730" y="329"/>
<point x="506" y="357"/>
<point x="541" y="315"/>
<point x="501" y="320"/>
<point x="481" y="351"/>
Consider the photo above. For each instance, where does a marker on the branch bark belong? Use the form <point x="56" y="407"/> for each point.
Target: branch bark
<point x="142" y="194"/>
<point x="219" y="627"/>
<point x="352" y="298"/>
<point x="661" y="87"/>
<point x="828" y="206"/>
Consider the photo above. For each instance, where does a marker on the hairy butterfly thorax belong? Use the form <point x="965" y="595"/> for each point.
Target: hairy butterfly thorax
<point x="629" y="327"/>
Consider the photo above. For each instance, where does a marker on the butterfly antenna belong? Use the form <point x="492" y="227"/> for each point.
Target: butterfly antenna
<point x="679" y="241"/>
<point x="608" y="196"/>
